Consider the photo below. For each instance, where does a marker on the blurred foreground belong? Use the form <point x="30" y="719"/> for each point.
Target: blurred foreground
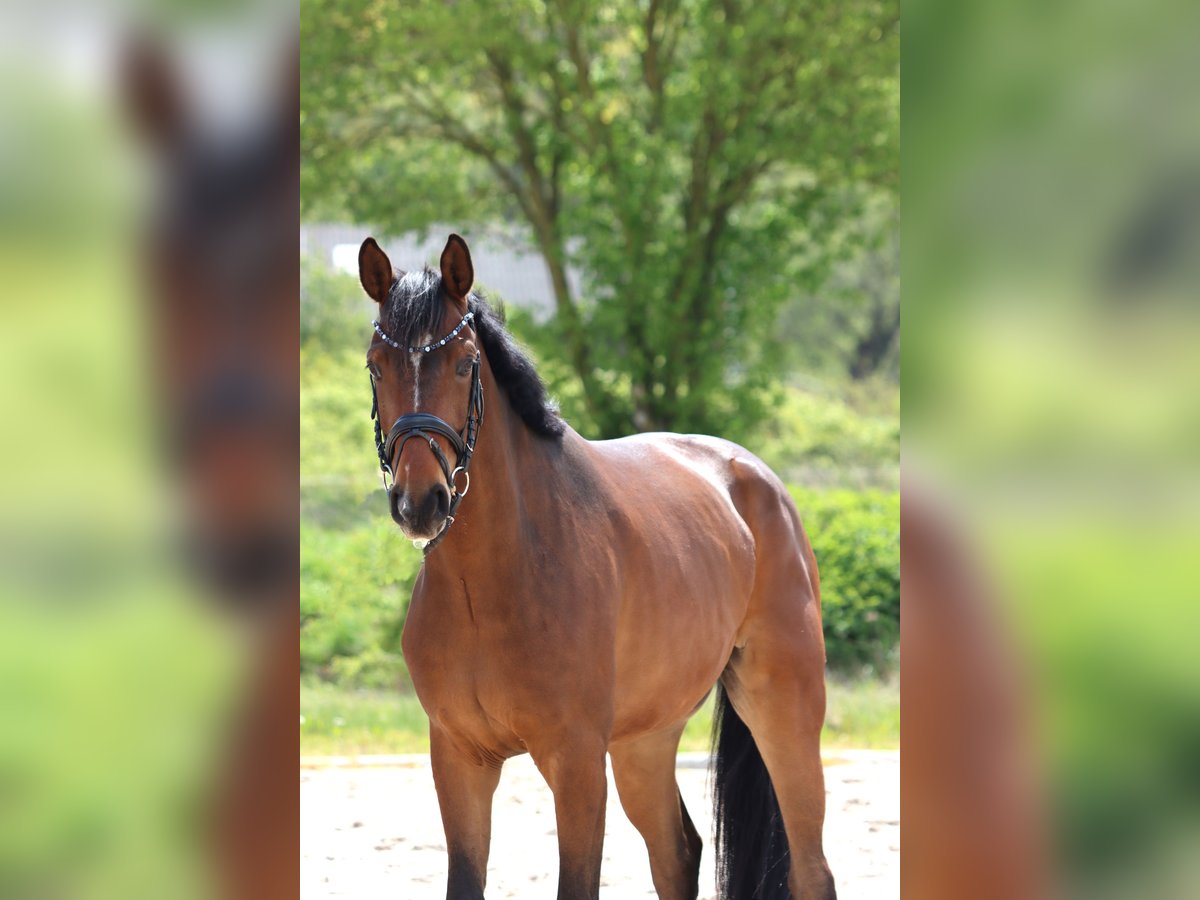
<point x="1051" y="684"/>
<point x="139" y="250"/>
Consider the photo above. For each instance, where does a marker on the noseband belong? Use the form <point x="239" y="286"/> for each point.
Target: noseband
<point x="426" y="425"/>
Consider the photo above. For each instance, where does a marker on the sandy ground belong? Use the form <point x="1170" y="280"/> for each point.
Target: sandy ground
<point x="374" y="831"/>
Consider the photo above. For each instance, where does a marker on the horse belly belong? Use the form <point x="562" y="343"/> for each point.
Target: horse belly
<point x="678" y="621"/>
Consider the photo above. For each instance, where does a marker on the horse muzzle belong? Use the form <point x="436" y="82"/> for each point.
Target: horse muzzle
<point x="420" y="515"/>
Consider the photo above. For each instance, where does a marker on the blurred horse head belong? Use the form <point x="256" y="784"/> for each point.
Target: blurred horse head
<point x="221" y="260"/>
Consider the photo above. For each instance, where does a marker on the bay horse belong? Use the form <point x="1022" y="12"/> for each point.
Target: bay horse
<point x="584" y="599"/>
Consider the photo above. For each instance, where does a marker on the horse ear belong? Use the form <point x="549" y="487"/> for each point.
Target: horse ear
<point x="375" y="270"/>
<point x="457" y="272"/>
<point x="152" y="92"/>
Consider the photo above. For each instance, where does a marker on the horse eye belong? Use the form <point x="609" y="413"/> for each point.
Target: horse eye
<point x="464" y="367"/>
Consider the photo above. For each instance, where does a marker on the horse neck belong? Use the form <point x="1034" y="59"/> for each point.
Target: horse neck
<point x="508" y="468"/>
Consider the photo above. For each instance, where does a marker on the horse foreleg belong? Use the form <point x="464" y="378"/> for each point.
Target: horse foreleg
<point x="644" y="770"/>
<point x="465" y="789"/>
<point x="574" y="770"/>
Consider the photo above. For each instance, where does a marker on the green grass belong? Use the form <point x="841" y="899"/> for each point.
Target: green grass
<point x="862" y="713"/>
<point x="337" y="721"/>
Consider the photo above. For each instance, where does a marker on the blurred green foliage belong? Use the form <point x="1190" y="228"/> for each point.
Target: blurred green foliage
<point x="355" y="584"/>
<point x="1051" y="378"/>
<point x="332" y="309"/>
<point x="699" y="164"/>
<point x="116" y="680"/>
<point x="114" y="710"/>
<point x="1109" y="619"/>
<point x="834" y="437"/>
<point x="356" y="572"/>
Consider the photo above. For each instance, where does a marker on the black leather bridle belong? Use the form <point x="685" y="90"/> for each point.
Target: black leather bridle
<point x="426" y="425"/>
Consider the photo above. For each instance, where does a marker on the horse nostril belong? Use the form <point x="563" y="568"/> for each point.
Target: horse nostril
<point x="439" y="500"/>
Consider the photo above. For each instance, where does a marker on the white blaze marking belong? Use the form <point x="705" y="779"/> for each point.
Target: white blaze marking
<point x="416" y="367"/>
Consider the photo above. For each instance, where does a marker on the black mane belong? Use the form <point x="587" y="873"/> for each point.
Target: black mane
<point x="415" y="308"/>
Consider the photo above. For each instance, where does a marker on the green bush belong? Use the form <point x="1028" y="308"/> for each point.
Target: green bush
<point x="856" y="539"/>
<point x="337" y="443"/>
<point x="355" y="585"/>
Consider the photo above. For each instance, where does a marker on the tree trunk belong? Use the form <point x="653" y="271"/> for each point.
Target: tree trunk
<point x="873" y="348"/>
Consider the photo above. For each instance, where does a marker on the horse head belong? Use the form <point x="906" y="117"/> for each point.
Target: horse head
<point x="424" y="362"/>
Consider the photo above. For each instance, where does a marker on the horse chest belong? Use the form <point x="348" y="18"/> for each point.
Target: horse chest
<point x="485" y="672"/>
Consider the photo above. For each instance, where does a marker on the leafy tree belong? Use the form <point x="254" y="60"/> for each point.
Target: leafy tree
<point x="850" y="324"/>
<point x="690" y="158"/>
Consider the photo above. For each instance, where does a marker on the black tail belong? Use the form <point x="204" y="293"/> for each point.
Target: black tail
<point x="749" y="840"/>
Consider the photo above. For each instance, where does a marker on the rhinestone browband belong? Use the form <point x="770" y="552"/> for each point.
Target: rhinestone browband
<point x="428" y="347"/>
